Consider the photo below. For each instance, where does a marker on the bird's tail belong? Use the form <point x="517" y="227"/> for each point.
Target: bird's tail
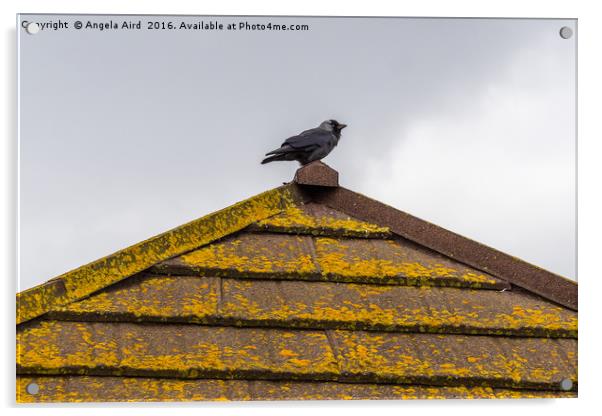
<point x="272" y="158"/>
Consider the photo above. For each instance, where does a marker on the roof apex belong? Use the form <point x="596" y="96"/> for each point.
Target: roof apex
<point x="317" y="174"/>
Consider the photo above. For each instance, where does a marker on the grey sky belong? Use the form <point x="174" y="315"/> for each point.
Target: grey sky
<point x="467" y="123"/>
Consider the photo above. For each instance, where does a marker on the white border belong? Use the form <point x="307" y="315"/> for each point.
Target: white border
<point x="590" y="209"/>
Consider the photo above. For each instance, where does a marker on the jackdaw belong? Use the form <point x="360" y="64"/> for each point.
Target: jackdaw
<point x="310" y="145"/>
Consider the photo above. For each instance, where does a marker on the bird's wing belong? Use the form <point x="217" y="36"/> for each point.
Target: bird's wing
<point x="309" y="139"/>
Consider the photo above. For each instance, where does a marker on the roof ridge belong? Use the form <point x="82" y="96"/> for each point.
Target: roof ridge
<point x="455" y="246"/>
<point x="101" y="273"/>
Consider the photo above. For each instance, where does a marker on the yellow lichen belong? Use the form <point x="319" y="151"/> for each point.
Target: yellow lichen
<point x="288" y="353"/>
<point x="333" y="260"/>
<point x="54" y="347"/>
<point x="346" y="306"/>
<point x="334" y="257"/>
<point x="154" y="297"/>
<point x="404" y="357"/>
<point x="141" y="389"/>
<point x="257" y="259"/>
<point x="299" y="362"/>
<point x="39" y="299"/>
<point x="295" y="219"/>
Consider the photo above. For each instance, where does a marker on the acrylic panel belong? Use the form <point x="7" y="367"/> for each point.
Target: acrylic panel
<point x="410" y="234"/>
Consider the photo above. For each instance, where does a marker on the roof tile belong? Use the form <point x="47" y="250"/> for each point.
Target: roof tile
<point x="324" y="305"/>
<point x="269" y="256"/>
<point x="317" y="219"/>
<point x="142" y="389"/>
<point x="193" y="351"/>
<point x="186" y="351"/>
<point x="261" y="254"/>
<point x="389" y="259"/>
<point x="149" y="298"/>
<point x="393" y="308"/>
<point x="539" y="363"/>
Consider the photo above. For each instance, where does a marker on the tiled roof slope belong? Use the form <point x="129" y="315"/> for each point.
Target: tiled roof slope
<point x="300" y="301"/>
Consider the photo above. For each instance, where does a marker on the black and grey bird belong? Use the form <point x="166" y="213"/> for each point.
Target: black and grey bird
<point x="310" y="145"/>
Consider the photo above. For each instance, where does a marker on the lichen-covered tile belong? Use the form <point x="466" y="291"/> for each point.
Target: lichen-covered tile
<point x="281" y="256"/>
<point x="538" y="363"/>
<point x="316" y="219"/>
<point x="39" y="299"/>
<point x="248" y="255"/>
<point x="174" y="350"/>
<point x="393" y="308"/>
<point x="396" y="261"/>
<point x="143" y="389"/>
<point x="148" y="298"/>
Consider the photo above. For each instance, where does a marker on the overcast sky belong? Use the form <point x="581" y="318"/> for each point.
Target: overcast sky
<point x="467" y="123"/>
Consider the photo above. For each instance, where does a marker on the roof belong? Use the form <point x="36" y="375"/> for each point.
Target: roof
<point x="307" y="291"/>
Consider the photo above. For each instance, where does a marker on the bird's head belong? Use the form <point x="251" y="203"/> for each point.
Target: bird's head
<point x="334" y="126"/>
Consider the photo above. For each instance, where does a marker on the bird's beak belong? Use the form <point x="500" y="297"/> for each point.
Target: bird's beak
<point x="342" y="126"/>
